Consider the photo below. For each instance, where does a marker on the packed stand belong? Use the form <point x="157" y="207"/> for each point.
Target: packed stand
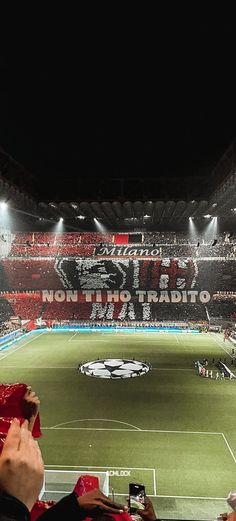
<point x="5" y="310"/>
<point x="26" y="306"/>
<point x="40" y="244"/>
<point x="8" y="327"/>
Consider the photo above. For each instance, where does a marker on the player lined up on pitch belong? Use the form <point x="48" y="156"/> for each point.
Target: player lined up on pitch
<point x="222" y="372"/>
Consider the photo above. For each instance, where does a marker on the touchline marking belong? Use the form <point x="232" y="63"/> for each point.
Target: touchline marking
<point x="177" y="340"/>
<point x="23" y="345"/>
<point x="220" y="345"/>
<point x="130" y="430"/>
<point x="229" y="448"/>
<point x="96" y="419"/>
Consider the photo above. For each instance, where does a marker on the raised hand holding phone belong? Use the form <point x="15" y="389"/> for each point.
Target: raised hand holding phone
<point x="148" y="513"/>
<point x="136" y="497"/>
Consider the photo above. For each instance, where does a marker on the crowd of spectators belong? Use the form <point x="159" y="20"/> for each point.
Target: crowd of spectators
<point x="57" y="250"/>
<point x="29" y="306"/>
<point x="159" y="313"/>
<point x="192" y="238"/>
<point x="71" y="273"/>
<point x="5" y="310"/>
<point x="38" y="244"/>
<point x="26" y="305"/>
<point x="202" y="324"/>
<point x="29" y="274"/>
<point x="222" y="309"/>
<point x="8" y="327"/>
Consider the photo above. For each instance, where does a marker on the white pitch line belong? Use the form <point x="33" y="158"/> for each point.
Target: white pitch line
<point x="98" y="467"/>
<point x="12" y="352"/>
<point x="180" y="497"/>
<point x="56" y="492"/>
<point x="38" y="367"/>
<point x="75" y="368"/>
<point x="229" y="448"/>
<point x="154" y="482"/>
<point x="95" y="419"/>
<point x="130" y="430"/>
<point x="89" y="429"/>
<point x="171" y="369"/>
<point x="195" y="497"/>
<point x="69" y="339"/>
<point x="177" y="340"/>
<point x="221" y="346"/>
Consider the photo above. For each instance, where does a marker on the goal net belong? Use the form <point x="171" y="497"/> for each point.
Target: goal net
<point x="59" y="483"/>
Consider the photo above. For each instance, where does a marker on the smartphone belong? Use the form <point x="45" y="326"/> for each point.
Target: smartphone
<point x="136" y="497"/>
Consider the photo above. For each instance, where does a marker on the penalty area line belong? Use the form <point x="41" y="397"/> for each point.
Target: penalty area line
<point x="150" y="495"/>
<point x="180" y="497"/>
<point x="228" y="447"/>
<point x="99" y="467"/>
<point x="131" y="430"/>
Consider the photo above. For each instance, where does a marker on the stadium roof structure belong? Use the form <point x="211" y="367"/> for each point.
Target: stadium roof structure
<point x="211" y="196"/>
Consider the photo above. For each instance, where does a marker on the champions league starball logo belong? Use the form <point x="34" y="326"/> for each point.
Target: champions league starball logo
<point x="114" y="368"/>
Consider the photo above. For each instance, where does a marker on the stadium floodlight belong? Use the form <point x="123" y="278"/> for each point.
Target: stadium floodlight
<point x="207" y="216"/>
<point x="80" y="217"/>
<point x="100" y="227"/>
<point x="3" y="204"/>
<point x="61" y="220"/>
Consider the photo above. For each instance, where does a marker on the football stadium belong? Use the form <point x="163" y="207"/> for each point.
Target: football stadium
<point x="121" y="317"/>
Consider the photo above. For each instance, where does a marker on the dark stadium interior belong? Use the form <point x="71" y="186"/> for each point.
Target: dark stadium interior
<point x="118" y="193"/>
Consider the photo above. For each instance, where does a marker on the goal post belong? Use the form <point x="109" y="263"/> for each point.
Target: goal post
<point x="59" y="483"/>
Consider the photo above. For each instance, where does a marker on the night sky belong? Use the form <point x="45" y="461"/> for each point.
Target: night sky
<point x="128" y="103"/>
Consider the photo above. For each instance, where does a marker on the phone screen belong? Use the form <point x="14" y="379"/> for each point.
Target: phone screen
<point x="136" y="497"/>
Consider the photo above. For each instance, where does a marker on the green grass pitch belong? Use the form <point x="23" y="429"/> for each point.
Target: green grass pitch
<point x="170" y="429"/>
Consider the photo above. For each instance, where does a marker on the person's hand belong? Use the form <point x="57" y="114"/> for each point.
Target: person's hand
<point x="96" y="500"/>
<point x="148" y="513"/>
<point x="21" y="465"/>
<point x="31" y="406"/>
